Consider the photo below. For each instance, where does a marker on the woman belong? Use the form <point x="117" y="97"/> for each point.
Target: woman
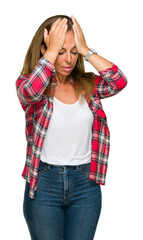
<point x="67" y="134"/>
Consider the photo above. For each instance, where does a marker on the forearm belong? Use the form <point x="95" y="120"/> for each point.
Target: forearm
<point x="97" y="61"/>
<point x="111" y="80"/>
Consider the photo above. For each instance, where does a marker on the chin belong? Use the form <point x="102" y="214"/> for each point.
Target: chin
<point x="65" y="73"/>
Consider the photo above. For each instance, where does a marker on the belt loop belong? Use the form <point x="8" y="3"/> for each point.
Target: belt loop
<point x="48" y="166"/>
<point x="77" y="167"/>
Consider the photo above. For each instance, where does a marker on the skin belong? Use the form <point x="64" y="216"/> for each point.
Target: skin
<point x="68" y="54"/>
<point x="59" y="38"/>
<point x="67" y="57"/>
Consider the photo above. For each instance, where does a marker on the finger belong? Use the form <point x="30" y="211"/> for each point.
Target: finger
<point x="55" y="24"/>
<point x="78" y="27"/>
<point x="72" y="17"/>
<point x="79" y="31"/>
<point x="65" y="27"/>
<point x="63" y="30"/>
<point x="76" y="30"/>
<point x="76" y="22"/>
<point x="61" y="24"/>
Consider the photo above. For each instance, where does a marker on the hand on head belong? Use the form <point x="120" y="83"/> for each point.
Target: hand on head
<point x="54" y="40"/>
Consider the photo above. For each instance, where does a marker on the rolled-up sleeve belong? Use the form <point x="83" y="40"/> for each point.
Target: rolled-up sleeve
<point x="110" y="82"/>
<point x="30" y="88"/>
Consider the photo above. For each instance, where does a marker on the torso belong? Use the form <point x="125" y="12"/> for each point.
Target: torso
<point x="66" y="94"/>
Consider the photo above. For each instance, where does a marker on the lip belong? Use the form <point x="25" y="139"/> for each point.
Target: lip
<point x="67" y="69"/>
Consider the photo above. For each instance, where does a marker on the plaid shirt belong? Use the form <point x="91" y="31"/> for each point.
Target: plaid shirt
<point x="38" y="111"/>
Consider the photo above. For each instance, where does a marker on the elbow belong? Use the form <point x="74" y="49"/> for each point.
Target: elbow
<point x="26" y="95"/>
<point x="121" y="80"/>
<point x="27" y="98"/>
<point x="124" y="81"/>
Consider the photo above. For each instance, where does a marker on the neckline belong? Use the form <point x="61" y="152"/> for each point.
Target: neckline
<point x="66" y="103"/>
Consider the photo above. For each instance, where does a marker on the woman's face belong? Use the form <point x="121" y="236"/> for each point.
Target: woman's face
<point x="67" y="57"/>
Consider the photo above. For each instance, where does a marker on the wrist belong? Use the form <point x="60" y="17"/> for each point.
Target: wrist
<point x="50" y="55"/>
<point x="85" y="51"/>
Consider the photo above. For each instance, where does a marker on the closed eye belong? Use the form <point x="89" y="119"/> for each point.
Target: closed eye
<point x="72" y="53"/>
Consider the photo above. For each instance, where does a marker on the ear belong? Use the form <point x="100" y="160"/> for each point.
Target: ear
<point x="43" y="50"/>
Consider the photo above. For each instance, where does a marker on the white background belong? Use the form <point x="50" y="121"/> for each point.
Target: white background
<point x="114" y="29"/>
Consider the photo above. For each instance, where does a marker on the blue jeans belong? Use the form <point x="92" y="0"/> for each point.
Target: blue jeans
<point x="67" y="204"/>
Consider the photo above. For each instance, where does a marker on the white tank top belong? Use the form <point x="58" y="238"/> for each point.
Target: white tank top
<point x="68" y="139"/>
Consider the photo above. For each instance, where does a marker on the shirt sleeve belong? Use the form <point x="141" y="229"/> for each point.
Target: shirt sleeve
<point x="110" y="82"/>
<point x="30" y="88"/>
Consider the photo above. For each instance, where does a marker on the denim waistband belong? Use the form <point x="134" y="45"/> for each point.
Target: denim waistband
<point x="63" y="166"/>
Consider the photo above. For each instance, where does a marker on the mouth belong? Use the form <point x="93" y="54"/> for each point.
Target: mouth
<point x="67" y="69"/>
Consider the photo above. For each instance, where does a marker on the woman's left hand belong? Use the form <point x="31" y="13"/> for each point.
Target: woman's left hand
<point x="79" y="38"/>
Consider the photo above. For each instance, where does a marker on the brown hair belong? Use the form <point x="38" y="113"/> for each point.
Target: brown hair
<point x="84" y="81"/>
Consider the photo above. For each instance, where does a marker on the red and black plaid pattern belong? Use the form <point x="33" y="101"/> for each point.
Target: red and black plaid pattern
<point x="38" y="111"/>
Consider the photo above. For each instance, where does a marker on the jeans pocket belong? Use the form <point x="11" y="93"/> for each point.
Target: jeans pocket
<point x="85" y="168"/>
<point x="42" y="168"/>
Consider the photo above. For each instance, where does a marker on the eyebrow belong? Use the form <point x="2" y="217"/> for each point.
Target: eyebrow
<point x="72" y="48"/>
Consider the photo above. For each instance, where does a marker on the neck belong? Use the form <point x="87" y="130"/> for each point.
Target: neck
<point x="61" y="80"/>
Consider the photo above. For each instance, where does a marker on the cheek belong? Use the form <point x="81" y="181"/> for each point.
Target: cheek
<point x="75" y="60"/>
<point x="58" y="61"/>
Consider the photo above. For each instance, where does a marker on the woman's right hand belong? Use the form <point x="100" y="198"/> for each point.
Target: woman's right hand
<point x="56" y="37"/>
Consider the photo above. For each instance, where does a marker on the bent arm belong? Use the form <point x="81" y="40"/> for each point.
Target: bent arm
<point x="30" y="88"/>
<point x="110" y="82"/>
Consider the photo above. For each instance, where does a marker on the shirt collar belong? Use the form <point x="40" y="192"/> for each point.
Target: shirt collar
<point x="54" y="81"/>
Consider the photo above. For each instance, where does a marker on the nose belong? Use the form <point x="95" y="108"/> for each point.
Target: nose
<point x="68" y="57"/>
